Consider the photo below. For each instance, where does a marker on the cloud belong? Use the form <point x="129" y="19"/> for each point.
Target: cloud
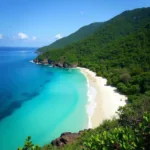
<point x="34" y="38"/>
<point x="58" y="36"/>
<point x="1" y="36"/>
<point x="22" y="36"/>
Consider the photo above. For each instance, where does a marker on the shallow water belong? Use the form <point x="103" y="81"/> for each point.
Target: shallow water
<point x="38" y="100"/>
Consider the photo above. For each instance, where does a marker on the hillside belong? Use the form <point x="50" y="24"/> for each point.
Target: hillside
<point x="120" y="52"/>
<point x="120" y="26"/>
<point x="120" y="49"/>
<point x="81" y="34"/>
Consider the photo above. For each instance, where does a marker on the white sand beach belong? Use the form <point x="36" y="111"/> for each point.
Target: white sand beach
<point x="103" y="100"/>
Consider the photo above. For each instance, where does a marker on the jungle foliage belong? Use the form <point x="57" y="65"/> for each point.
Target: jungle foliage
<point x="81" y="34"/>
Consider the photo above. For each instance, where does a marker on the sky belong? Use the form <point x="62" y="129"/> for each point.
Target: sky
<point x="36" y="23"/>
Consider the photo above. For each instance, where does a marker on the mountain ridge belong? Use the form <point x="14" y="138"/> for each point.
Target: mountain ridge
<point x="78" y="35"/>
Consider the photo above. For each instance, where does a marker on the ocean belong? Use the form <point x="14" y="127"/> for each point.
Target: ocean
<point x="38" y="100"/>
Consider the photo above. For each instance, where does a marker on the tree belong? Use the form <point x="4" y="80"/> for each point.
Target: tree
<point x="122" y="87"/>
<point x="125" y="78"/>
<point x="28" y="145"/>
<point x="134" y="89"/>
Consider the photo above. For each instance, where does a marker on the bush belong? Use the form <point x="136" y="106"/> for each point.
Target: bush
<point x="125" y="78"/>
<point x="133" y="89"/>
<point x="28" y="145"/>
<point x="122" y="138"/>
<point x="122" y="87"/>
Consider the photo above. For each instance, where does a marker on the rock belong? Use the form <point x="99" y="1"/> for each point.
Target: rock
<point x="45" y="61"/>
<point x="65" y="138"/>
<point x="59" y="64"/>
<point x="65" y="65"/>
<point x="74" y="65"/>
<point x="36" y="60"/>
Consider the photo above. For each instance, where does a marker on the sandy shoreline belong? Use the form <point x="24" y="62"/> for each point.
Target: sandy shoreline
<point x="103" y="101"/>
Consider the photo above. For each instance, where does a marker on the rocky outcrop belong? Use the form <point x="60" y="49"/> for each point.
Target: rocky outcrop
<point x="44" y="62"/>
<point x="55" y="64"/>
<point x="67" y="138"/>
<point x="36" y="60"/>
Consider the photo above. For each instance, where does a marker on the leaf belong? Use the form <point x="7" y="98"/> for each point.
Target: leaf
<point x="140" y="124"/>
<point x="102" y="142"/>
<point x="124" y="146"/>
<point x="125" y="137"/>
<point x="133" y="143"/>
<point x="146" y="118"/>
<point x="112" y="141"/>
<point x="104" y="148"/>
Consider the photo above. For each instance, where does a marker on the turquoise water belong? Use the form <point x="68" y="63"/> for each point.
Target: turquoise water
<point x="37" y="100"/>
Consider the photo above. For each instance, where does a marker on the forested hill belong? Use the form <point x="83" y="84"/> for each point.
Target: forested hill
<point x="119" y="51"/>
<point x="82" y="33"/>
<point x="118" y="27"/>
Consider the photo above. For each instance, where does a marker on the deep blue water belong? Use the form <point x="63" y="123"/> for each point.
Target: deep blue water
<point x="38" y="100"/>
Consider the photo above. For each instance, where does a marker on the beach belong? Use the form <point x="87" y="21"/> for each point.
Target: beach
<point x="103" y="100"/>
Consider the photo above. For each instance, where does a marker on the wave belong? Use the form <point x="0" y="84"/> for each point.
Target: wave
<point x="32" y="61"/>
<point x="91" y="103"/>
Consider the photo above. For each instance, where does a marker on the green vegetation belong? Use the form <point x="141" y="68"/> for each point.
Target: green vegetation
<point x="124" y="138"/>
<point x="120" y="52"/>
<point x="81" y="34"/>
<point x="108" y="136"/>
<point x="28" y="145"/>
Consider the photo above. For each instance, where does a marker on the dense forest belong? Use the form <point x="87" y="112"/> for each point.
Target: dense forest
<point x="81" y="34"/>
<point x="120" y="52"/>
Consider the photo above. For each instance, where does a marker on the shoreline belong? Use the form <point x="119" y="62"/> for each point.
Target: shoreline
<point x="103" y="100"/>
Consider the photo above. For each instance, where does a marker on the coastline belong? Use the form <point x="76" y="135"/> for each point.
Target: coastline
<point x="103" y="100"/>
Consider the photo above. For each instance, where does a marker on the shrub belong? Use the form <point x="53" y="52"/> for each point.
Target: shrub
<point x="122" y="138"/>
